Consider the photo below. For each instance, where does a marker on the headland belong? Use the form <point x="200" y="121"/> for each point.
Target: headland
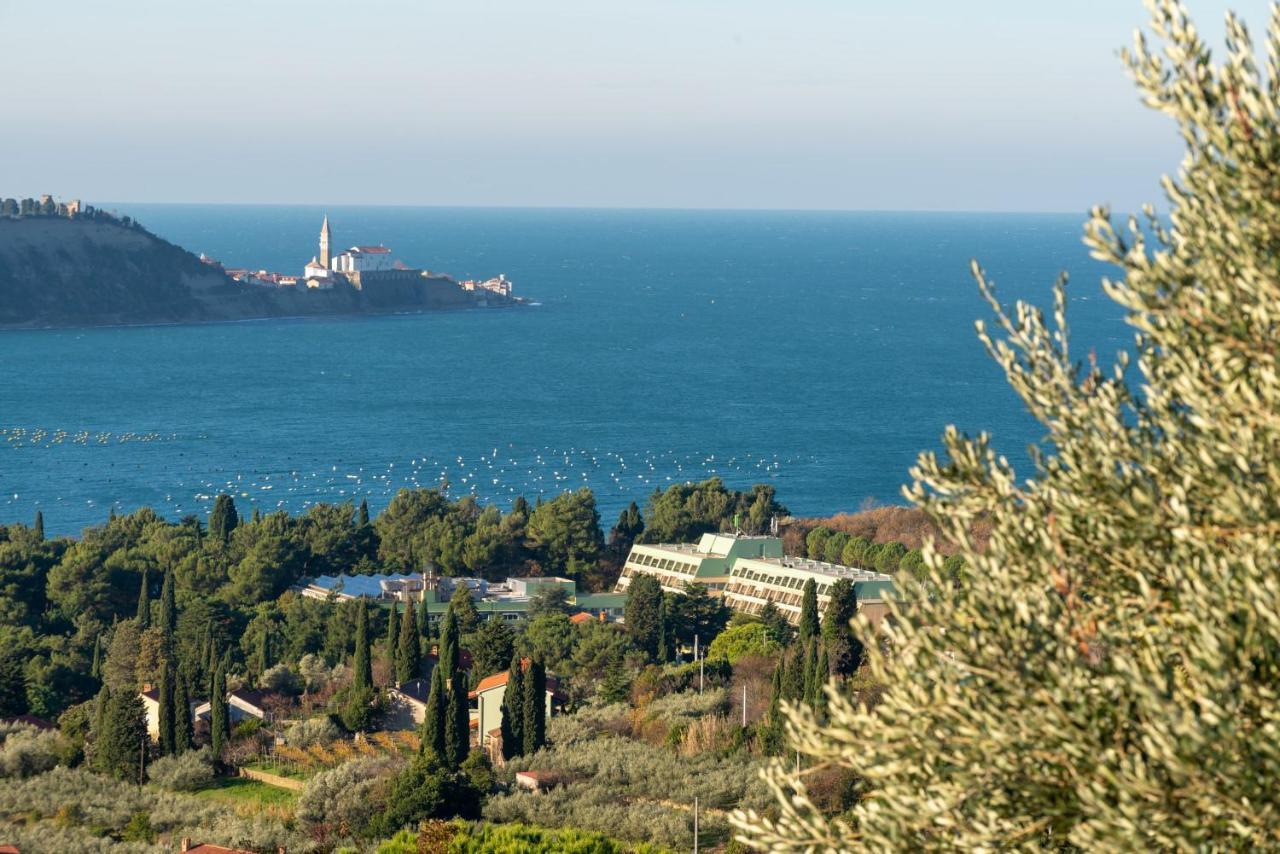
<point x="70" y="264"/>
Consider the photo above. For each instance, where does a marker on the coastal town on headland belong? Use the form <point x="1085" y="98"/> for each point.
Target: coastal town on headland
<point x="357" y="266"/>
<point x="73" y="264"/>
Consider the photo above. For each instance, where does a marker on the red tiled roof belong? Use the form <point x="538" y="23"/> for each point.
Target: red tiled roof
<point x="208" y="848"/>
<point x="497" y="680"/>
<point x="581" y="617"/>
<point x="372" y="250"/>
<point x="9" y="849"/>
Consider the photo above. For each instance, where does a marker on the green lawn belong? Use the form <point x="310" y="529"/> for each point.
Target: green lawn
<point x="244" y="790"/>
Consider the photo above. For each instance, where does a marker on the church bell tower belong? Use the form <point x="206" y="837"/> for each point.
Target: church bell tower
<point x="325" y="239"/>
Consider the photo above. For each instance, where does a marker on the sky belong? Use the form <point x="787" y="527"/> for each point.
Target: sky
<point x="989" y="105"/>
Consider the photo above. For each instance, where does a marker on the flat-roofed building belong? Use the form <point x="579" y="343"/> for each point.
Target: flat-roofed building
<point x="753" y="582"/>
<point x="704" y="562"/>
<point x="750" y="571"/>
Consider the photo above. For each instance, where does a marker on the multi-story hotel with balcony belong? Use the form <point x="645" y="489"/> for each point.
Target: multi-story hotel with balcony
<point x="750" y="571"/>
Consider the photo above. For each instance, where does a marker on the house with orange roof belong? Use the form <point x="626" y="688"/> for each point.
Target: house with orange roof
<point x="488" y="695"/>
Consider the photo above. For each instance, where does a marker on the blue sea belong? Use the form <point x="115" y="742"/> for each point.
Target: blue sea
<point x="818" y="352"/>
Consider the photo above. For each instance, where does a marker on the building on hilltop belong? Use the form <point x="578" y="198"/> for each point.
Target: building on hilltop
<point x="750" y="571"/>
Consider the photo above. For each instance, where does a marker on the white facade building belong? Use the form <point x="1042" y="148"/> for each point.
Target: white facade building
<point x="363" y="259"/>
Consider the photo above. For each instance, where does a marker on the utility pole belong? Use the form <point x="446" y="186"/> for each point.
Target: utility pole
<point x="695" y="824"/>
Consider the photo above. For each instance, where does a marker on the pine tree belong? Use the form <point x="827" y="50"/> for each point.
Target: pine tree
<point x="535" y="723"/>
<point x="408" y="653"/>
<point x="433" y="720"/>
<point x="144" y="603"/>
<point x="808" y="628"/>
<point x="362" y="667"/>
<point x="39" y="526"/>
<point x="463" y="606"/>
<point x="393" y="641"/>
<point x="513" y="709"/>
<point x="219" y="714"/>
<point x="183" y="737"/>
<point x="167" y="713"/>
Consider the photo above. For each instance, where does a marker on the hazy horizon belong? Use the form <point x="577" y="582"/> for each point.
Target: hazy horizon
<point x="824" y="106"/>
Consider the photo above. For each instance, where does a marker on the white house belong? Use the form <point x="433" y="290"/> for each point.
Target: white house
<point x="241" y="703"/>
<point x="407" y="704"/>
<point x="151" y="706"/>
<point x="488" y="696"/>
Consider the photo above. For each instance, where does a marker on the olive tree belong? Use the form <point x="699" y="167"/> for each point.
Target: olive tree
<point x="1106" y="676"/>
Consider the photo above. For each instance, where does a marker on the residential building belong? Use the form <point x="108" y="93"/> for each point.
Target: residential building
<point x="407" y="704"/>
<point x="750" y="571"/>
<point x="242" y="703"/>
<point x="488" y="695"/>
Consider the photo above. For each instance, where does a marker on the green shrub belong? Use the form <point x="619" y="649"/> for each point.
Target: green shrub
<point x="186" y="772"/>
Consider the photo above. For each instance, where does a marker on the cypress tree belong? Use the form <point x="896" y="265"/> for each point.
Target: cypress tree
<point x="168" y="608"/>
<point x="144" y="604"/>
<point x="363" y="665"/>
<point x="457" y="723"/>
<point x="775" y="689"/>
<point x="264" y="651"/>
<point x="432" y="734"/>
<point x="256" y="517"/>
<point x="98" y="733"/>
<point x="408" y="653"/>
<point x="223" y="518"/>
<point x="364" y="513"/>
<point x="39" y="526"/>
<point x="793" y="674"/>
<point x="183" y="737"/>
<point x="810" y="670"/>
<point x="535" y="708"/>
<point x="808" y="612"/>
<point x="513" y="710"/>
<point x="393" y="641"/>
<point x="95" y="669"/>
<point x="219" y="718"/>
<point x="168" y="710"/>
<point x="124" y="737"/>
<point x="449" y="654"/>
<point x="424" y="622"/>
<point x="664" y="633"/>
<point x="823" y="673"/>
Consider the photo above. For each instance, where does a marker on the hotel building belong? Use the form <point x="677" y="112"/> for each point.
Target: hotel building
<point x="751" y="571"/>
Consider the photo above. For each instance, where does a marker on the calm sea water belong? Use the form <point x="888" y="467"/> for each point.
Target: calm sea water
<point x="819" y="352"/>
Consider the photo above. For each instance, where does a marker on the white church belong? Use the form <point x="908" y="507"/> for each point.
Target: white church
<point x="320" y="270"/>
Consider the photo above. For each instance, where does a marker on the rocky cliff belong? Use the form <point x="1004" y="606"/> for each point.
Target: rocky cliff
<point x="57" y="271"/>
